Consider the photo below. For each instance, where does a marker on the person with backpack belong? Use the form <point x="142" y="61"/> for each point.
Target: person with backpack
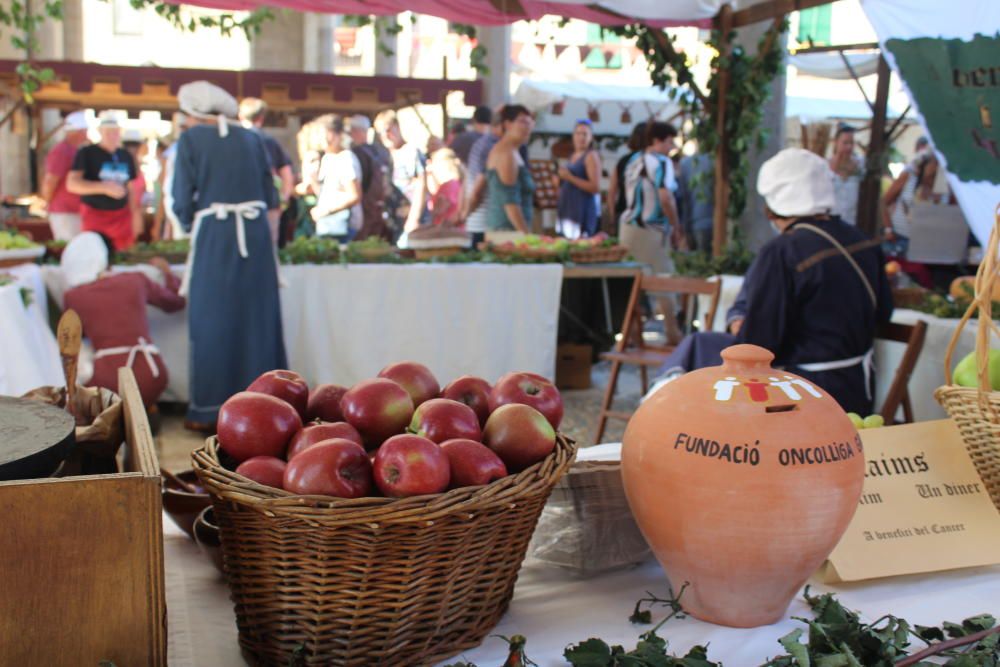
<point x="376" y="170"/>
<point x="649" y="227"/>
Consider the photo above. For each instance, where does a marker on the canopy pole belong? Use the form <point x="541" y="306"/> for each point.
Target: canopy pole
<point x="723" y="23"/>
<point x="870" y="191"/>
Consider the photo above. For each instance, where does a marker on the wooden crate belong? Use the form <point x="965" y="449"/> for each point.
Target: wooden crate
<point x="81" y="561"/>
<point x="573" y="364"/>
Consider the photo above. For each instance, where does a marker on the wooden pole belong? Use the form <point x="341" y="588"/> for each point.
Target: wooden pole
<point x="724" y="24"/>
<point x="870" y="190"/>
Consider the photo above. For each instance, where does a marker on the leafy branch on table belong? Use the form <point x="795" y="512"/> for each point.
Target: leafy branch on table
<point x="835" y="637"/>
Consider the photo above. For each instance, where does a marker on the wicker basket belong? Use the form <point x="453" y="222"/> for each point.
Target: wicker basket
<point x="432" y="253"/>
<point x="976" y="411"/>
<point x="373" y="581"/>
<point x="607" y="255"/>
<point x="523" y="252"/>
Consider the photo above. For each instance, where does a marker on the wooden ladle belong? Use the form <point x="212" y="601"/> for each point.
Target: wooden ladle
<point x="69" y="333"/>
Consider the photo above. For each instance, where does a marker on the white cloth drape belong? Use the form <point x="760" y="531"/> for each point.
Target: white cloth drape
<point x="29" y="354"/>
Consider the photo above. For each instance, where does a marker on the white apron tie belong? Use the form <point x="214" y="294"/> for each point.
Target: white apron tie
<point x="867" y="361"/>
<point x="147" y="349"/>
<point x="243" y="211"/>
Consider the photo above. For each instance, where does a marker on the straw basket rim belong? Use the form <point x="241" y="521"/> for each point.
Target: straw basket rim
<point x="327" y="511"/>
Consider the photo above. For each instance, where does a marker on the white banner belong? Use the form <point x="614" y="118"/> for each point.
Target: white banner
<point x="946" y="54"/>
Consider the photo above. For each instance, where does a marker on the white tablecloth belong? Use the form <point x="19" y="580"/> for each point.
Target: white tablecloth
<point x="29" y="354"/>
<point x="553" y="609"/>
<point x="927" y="375"/>
<point x="343" y="324"/>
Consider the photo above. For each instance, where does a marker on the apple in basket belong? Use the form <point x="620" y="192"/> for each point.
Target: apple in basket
<point x="286" y="385"/>
<point x="252" y="424"/>
<point x="319" y="431"/>
<point x="411" y="465"/>
<point x="520" y="435"/>
<point x="378" y="408"/>
<point x="441" y="419"/>
<point x="336" y="467"/>
<point x="474" y="392"/>
<point x="266" y="470"/>
<point x="415" y="378"/>
<point x="324" y="403"/>
<point x="472" y="463"/>
<point x="529" y="389"/>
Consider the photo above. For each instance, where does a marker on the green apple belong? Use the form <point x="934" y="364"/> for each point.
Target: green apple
<point x="965" y="372"/>
<point x="873" y="421"/>
<point x="856" y="419"/>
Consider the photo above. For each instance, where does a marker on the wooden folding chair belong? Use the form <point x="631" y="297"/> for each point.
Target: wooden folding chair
<point x="912" y="335"/>
<point x="632" y="349"/>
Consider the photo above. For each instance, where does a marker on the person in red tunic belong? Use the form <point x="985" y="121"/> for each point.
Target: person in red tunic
<point x="112" y="309"/>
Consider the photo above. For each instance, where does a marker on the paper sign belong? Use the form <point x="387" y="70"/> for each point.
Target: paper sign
<point x="924" y="507"/>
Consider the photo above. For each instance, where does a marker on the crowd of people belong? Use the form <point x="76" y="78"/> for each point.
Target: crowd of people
<point x="360" y="178"/>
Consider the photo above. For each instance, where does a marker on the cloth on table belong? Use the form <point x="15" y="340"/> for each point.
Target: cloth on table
<point x="222" y="188"/>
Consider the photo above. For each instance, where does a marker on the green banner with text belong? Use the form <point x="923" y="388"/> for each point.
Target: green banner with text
<point x="956" y="85"/>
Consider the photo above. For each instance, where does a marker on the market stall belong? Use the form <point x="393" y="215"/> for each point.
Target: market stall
<point x="344" y="322"/>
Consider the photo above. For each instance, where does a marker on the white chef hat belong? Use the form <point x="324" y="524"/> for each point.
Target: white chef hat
<point x="84" y="258"/>
<point x="796" y="183"/>
<point x="205" y="100"/>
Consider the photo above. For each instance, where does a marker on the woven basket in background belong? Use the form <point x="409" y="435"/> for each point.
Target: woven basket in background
<point x="373" y="581"/>
<point x="976" y="410"/>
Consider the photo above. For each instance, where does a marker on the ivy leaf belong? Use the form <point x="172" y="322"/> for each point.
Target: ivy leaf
<point x="953" y="629"/>
<point x="799" y="653"/>
<point x="590" y="653"/>
<point x="929" y="633"/>
<point x="979" y="623"/>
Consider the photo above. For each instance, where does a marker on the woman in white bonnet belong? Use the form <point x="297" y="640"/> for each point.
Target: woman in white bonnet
<point x="112" y="308"/>
<point x="813" y="296"/>
<point x="222" y="189"/>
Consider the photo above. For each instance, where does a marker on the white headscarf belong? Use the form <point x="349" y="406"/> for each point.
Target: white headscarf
<point x="201" y="99"/>
<point x="83" y="259"/>
<point x="796" y="183"/>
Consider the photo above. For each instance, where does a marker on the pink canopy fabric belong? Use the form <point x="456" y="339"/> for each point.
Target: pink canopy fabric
<point x="663" y="13"/>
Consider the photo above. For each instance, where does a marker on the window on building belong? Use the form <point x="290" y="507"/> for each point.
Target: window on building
<point x="814" y="25"/>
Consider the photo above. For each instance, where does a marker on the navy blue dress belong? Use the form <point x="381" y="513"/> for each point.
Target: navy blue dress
<point x="803" y="301"/>
<point x="578" y="205"/>
<point x="234" y="313"/>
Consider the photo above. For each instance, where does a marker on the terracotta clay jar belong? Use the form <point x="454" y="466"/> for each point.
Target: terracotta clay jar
<point x="742" y="479"/>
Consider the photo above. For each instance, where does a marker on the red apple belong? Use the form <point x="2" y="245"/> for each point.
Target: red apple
<point x="529" y="389"/>
<point x="520" y="435"/>
<point x="336" y="467"/>
<point x="472" y="463"/>
<point x="409" y="465"/>
<point x="474" y="392"/>
<point x="252" y="424"/>
<point x="324" y="403"/>
<point x="415" y="378"/>
<point x="440" y="419"/>
<point x="286" y="385"/>
<point x="317" y="432"/>
<point x="266" y="470"/>
<point x="378" y="408"/>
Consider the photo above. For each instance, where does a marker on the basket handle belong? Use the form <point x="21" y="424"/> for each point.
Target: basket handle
<point x="987" y="275"/>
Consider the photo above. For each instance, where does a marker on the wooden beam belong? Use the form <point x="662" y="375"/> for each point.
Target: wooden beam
<point x="724" y="23"/>
<point x="870" y="190"/>
<point x="866" y="46"/>
<point x="770" y="9"/>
